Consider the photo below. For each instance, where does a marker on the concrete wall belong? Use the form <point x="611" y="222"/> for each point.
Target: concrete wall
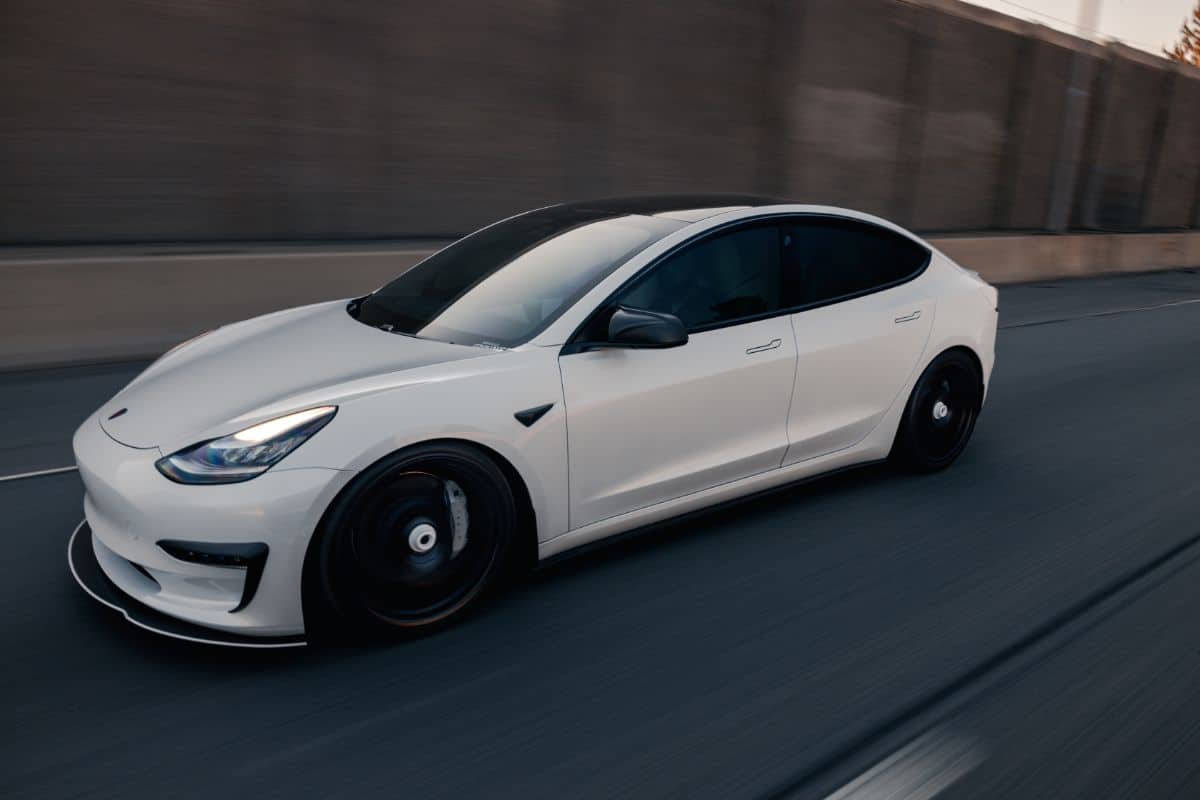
<point x="849" y="119"/>
<point x="972" y="70"/>
<point x="136" y="120"/>
<point x="1128" y="92"/>
<point x="1035" y="129"/>
<point x="1173" y="199"/>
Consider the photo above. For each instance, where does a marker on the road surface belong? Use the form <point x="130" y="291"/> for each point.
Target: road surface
<point x="1022" y="625"/>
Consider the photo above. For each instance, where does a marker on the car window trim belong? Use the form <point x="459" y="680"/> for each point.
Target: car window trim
<point x="574" y="346"/>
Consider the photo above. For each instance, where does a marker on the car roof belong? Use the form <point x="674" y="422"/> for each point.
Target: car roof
<point x="686" y="207"/>
<point x="689" y="209"/>
<point x="683" y="208"/>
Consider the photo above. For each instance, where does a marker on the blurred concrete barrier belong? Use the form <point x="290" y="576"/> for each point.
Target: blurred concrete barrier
<point x="258" y="120"/>
<point x="1016" y="259"/>
<point x="114" y="304"/>
<point x="62" y="305"/>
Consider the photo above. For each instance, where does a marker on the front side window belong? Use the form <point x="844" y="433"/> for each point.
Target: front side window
<point x="720" y="279"/>
<point x="825" y="259"/>
<point x="504" y="284"/>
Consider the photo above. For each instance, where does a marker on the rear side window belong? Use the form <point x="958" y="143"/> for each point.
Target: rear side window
<point x="719" y="279"/>
<point x="825" y="259"/>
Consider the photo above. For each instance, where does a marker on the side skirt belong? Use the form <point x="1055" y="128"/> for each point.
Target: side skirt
<point x="636" y="523"/>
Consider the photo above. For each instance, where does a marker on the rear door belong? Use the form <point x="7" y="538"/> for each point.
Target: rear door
<point x="862" y="320"/>
<point x="647" y="426"/>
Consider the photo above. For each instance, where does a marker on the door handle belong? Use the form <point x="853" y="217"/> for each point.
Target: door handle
<point x="771" y="345"/>
<point x="908" y="317"/>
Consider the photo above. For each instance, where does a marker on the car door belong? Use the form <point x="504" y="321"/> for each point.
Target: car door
<point x="862" y="320"/>
<point x="648" y="425"/>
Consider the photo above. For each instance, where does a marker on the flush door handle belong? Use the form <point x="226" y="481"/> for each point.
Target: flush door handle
<point x="771" y="345"/>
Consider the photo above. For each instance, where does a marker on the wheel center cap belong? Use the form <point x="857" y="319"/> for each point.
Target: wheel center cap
<point x="940" y="411"/>
<point x="422" y="538"/>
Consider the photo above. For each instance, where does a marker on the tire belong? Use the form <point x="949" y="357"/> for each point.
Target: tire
<point x="414" y="543"/>
<point x="940" y="415"/>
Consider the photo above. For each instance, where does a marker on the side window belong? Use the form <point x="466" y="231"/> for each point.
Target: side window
<point x="824" y="259"/>
<point x="719" y="279"/>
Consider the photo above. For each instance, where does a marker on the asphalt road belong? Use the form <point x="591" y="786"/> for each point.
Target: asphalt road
<point x="1022" y="625"/>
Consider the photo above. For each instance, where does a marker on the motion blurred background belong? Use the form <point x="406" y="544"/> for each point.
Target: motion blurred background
<point x="370" y="131"/>
<point x="134" y="121"/>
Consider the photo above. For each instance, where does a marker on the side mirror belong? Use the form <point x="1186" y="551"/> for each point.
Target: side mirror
<point x="636" y="327"/>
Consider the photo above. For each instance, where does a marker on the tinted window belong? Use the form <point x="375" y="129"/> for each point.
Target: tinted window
<point x="722" y="278"/>
<point x="503" y="284"/>
<point x="824" y="259"/>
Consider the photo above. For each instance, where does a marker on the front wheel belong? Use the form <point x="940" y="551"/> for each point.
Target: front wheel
<point x="940" y="414"/>
<point x="413" y="543"/>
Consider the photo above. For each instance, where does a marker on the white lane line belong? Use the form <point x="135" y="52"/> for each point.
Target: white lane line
<point x="37" y="474"/>
<point x="920" y="770"/>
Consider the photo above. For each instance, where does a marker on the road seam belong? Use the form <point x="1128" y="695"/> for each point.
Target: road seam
<point x="985" y="671"/>
<point x="1097" y="314"/>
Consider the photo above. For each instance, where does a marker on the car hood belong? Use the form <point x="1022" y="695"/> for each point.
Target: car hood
<point x="228" y="374"/>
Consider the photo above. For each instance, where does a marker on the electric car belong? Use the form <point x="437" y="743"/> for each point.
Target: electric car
<point x="558" y="377"/>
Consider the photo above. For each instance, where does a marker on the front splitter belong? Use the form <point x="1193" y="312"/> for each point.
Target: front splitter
<point x="82" y="559"/>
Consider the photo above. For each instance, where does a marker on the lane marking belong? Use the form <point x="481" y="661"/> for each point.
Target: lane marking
<point x="921" y="770"/>
<point x="1096" y="314"/>
<point x="20" y="476"/>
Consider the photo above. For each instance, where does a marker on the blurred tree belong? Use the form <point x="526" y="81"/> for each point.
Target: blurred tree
<point x="1188" y="48"/>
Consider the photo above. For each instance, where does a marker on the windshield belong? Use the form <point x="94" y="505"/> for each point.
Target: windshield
<point x="504" y="284"/>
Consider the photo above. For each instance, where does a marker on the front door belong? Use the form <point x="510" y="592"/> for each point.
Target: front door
<point x="647" y="426"/>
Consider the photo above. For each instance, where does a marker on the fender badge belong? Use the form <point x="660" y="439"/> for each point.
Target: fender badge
<point x="532" y="415"/>
<point x="117" y="413"/>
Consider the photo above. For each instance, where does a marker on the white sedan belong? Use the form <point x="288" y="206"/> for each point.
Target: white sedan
<point x="556" y="378"/>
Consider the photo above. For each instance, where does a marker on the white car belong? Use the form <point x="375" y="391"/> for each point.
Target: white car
<point x="556" y="378"/>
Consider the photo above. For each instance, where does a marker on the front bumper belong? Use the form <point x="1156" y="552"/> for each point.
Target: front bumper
<point x="85" y="566"/>
<point x="131" y="510"/>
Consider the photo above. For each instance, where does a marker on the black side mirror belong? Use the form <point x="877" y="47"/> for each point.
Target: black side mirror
<point x="636" y="327"/>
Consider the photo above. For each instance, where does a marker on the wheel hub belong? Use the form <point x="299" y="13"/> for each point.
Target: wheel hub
<point x="422" y="538"/>
<point x="940" y="411"/>
<point x="417" y="542"/>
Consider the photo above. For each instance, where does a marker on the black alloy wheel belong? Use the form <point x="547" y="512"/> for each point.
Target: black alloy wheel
<point x="414" y="542"/>
<point x="941" y="413"/>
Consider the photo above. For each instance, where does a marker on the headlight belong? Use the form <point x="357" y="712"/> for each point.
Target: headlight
<point x="247" y="453"/>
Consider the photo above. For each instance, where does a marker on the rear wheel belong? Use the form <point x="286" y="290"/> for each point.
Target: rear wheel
<point x="413" y="543"/>
<point x="941" y="413"/>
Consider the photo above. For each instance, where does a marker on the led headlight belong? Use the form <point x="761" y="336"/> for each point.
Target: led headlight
<point x="247" y="453"/>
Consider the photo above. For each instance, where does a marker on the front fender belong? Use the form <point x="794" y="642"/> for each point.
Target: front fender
<point x="472" y="401"/>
